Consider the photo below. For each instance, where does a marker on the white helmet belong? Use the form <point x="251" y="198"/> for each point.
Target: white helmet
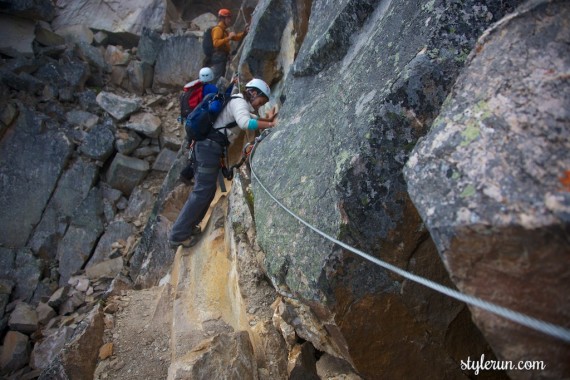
<point x="206" y="74"/>
<point x="259" y="85"/>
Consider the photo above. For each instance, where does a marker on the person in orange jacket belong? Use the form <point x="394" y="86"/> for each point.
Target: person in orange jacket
<point x="221" y="40"/>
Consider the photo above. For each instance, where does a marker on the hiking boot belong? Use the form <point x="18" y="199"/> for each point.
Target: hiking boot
<point x="196" y="230"/>
<point x="192" y="240"/>
<point x="187" y="175"/>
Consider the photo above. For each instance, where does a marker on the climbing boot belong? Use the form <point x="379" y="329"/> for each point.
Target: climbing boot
<point x="192" y="240"/>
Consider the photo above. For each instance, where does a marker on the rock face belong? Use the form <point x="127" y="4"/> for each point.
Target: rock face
<point x="123" y="21"/>
<point x="489" y="180"/>
<point x="37" y="175"/>
<point x="367" y="82"/>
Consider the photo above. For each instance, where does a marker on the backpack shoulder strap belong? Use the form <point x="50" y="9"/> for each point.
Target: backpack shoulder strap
<point x="233" y="123"/>
<point x="212" y="32"/>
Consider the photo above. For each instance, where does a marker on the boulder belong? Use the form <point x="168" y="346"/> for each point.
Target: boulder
<point x="105" y="269"/>
<point x="100" y="39"/>
<point x="116" y="56"/>
<point x="329" y="367"/>
<point x="93" y="56"/>
<point x="146" y="124"/>
<point x="489" y="180"/>
<point x="45" y="351"/>
<point x="79" y="33"/>
<point x="210" y="360"/>
<point x="24" y="319"/>
<point x="117" y="106"/>
<point x="127" y="142"/>
<point x="58" y="297"/>
<point x="15" y="351"/>
<point x="140" y="76"/>
<point x="17" y="36"/>
<point x="123" y="22"/>
<point x="125" y="173"/>
<point x="88" y="101"/>
<point x="8" y="114"/>
<point x="302" y="362"/>
<point x="79" y="356"/>
<point x="22" y="82"/>
<point x="205" y="21"/>
<point x="178" y="61"/>
<point x="116" y="231"/>
<point x="147" y="152"/>
<point x="75" y="300"/>
<point x="22" y="64"/>
<point x="140" y="201"/>
<point x="68" y="75"/>
<point x="82" y="118"/>
<point x="45" y="36"/>
<point x="171" y="142"/>
<point x="164" y="160"/>
<point x="118" y="76"/>
<point x="45" y="313"/>
<point x="99" y="143"/>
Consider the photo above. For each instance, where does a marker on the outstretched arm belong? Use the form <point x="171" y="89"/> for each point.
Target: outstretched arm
<point x="265" y="124"/>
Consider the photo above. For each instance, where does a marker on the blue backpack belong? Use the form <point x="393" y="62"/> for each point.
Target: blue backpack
<point x="199" y="123"/>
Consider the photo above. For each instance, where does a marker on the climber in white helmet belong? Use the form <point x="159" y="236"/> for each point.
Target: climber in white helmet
<point x="239" y="114"/>
<point x="192" y="95"/>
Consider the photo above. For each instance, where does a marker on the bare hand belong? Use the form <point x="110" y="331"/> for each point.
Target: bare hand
<point x="274" y="122"/>
<point x="231" y="34"/>
<point x="271" y="114"/>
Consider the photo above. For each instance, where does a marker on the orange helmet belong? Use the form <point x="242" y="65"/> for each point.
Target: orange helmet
<point x="224" y="13"/>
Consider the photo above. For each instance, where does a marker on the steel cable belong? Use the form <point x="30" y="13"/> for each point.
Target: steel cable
<point x="548" y="328"/>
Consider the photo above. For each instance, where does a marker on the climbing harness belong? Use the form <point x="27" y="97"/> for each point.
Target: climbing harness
<point x="245" y="154"/>
<point x="547" y="328"/>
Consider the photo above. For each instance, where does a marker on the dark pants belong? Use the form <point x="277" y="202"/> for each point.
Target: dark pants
<point x="207" y="167"/>
<point x="219" y="62"/>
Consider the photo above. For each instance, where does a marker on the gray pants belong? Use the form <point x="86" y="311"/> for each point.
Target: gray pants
<point x="206" y="167"/>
